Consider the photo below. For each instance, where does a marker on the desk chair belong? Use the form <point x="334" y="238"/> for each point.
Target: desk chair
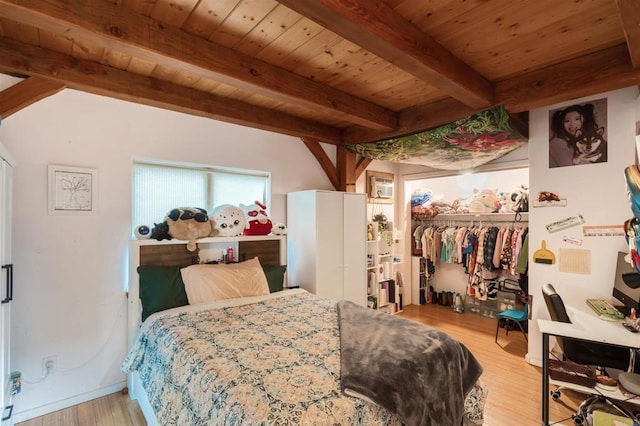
<point x="511" y="316"/>
<point x="586" y="353"/>
<point x="581" y="352"/>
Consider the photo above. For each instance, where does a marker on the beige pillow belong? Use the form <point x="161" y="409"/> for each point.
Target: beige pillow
<point x="206" y="283"/>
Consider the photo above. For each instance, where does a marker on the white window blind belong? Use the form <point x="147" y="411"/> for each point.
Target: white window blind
<point x="158" y="188"/>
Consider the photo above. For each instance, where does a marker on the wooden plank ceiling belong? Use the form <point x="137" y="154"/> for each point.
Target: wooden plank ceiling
<point x="334" y="71"/>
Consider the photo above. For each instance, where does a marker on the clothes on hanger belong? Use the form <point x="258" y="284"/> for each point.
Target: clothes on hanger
<point x="486" y="252"/>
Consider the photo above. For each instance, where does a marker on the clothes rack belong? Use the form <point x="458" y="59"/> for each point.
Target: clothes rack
<point x="487" y="246"/>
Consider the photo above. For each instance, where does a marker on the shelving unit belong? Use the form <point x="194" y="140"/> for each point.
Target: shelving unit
<point x="419" y="280"/>
<point x="480" y="217"/>
<point x="383" y="291"/>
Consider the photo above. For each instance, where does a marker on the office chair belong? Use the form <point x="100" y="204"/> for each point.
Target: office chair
<point x="511" y="316"/>
<point x="581" y="352"/>
<point x="586" y="353"/>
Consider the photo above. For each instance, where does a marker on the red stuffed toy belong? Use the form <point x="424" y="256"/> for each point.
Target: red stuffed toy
<point x="258" y="223"/>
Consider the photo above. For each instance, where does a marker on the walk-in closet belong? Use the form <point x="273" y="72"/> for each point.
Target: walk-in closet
<point x="468" y="241"/>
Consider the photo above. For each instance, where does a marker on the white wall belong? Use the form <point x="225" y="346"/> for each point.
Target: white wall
<point x="69" y="270"/>
<point x="596" y="191"/>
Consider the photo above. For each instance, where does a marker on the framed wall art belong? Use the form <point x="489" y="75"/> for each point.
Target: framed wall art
<point x="72" y="190"/>
<point x="578" y="134"/>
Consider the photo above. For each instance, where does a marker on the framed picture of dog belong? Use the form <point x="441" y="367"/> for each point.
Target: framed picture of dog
<point x="578" y="134"/>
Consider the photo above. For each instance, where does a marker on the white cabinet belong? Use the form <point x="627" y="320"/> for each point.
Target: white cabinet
<point x="326" y="244"/>
<point x="6" y="281"/>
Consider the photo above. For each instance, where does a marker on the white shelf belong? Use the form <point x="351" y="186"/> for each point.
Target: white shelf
<point x="211" y="240"/>
<point x="376" y="277"/>
<point x="488" y="217"/>
<point x="614" y="394"/>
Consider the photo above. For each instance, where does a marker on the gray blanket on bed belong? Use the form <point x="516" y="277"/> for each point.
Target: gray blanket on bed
<point x="415" y="371"/>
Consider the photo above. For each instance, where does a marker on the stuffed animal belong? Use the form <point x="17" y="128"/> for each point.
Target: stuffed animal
<point x="227" y="221"/>
<point x="183" y="223"/>
<point x="504" y="198"/>
<point x="279" y="229"/>
<point x="258" y="223"/>
<point x="520" y="199"/>
<point x="485" y="201"/>
<point x="460" y="205"/>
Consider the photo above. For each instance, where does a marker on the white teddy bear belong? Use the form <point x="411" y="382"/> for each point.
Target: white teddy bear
<point x="279" y="229"/>
<point x="227" y="221"/>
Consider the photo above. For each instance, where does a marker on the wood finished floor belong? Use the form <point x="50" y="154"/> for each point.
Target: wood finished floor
<point x="514" y="385"/>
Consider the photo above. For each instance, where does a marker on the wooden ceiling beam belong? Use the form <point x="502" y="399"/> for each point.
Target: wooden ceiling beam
<point x="376" y="27"/>
<point x="630" y="17"/>
<point x="92" y="77"/>
<point x="123" y="30"/>
<point x="599" y="72"/>
<point x="414" y="120"/>
<point x="602" y="71"/>
<point x="346" y="165"/>
<point x="362" y="165"/>
<point x="330" y="170"/>
<point x="25" y="93"/>
<point x="344" y="174"/>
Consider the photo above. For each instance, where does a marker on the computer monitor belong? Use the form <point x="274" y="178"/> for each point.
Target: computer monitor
<point x="628" y="296"/>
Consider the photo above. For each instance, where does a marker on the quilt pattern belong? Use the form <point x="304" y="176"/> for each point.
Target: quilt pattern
<point x="272" y="362"/>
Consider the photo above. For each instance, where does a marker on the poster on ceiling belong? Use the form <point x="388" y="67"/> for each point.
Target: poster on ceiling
<point x="578" y="134"/>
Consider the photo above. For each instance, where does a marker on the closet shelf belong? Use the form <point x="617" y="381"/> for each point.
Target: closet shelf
<point x="485" y="217"/>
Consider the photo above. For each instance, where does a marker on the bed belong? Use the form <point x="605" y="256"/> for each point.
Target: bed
<point x="278" y="358"/>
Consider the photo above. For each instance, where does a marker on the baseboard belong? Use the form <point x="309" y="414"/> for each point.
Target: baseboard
<point x="533" y="361"/>
<point x="22" y="416"/>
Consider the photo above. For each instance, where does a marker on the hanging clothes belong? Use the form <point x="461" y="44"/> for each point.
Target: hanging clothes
<point x="489" y="254"/>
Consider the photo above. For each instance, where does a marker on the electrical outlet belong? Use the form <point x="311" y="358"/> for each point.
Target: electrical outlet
<point x="16" y="382"/>
<point x="49" y="364"/>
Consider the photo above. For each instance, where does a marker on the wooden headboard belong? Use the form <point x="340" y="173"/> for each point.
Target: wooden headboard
<point x="268" y="251"/>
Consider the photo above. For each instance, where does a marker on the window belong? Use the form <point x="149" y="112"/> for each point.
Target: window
<point x="160" y="187"/>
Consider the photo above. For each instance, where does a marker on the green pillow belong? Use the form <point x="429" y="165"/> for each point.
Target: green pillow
<point x="161" y="288"/>
<point x="275" y="277"/>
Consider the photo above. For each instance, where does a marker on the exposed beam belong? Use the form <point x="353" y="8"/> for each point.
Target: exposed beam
<point x="325" y="162"/>
<point x="413" y="120"/>
<point x="376" y="27"/>
<point x="630" y="17"/>
<point x="362" y="165"/>
<point x="598" y="72"/>
<point x="91" y="77"/>
<point x="123" y="30"/>
<point x="346" y="165"/>
<point x="25" y="93"/>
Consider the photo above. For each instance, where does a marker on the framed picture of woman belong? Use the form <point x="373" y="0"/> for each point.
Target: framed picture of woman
<point x="578" y="134"/>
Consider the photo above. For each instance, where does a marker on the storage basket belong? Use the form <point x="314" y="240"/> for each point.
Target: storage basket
<point x="507" y="297"/>
<point x="578" y="374"/>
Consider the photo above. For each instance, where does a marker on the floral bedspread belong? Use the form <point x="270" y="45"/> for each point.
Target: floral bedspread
<point x="275" y="360"/>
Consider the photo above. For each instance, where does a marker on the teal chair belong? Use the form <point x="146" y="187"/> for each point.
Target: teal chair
<point x="511" y="316"/>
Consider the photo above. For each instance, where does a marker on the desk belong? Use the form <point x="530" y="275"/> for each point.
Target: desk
<point x="585" y="325"/>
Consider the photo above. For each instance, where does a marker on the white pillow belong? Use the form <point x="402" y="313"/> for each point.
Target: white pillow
<point x="206" y="283"/>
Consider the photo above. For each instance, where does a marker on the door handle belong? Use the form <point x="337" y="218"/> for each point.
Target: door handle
<point x="10" y="408"/>
<point x="9" y="269"/>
